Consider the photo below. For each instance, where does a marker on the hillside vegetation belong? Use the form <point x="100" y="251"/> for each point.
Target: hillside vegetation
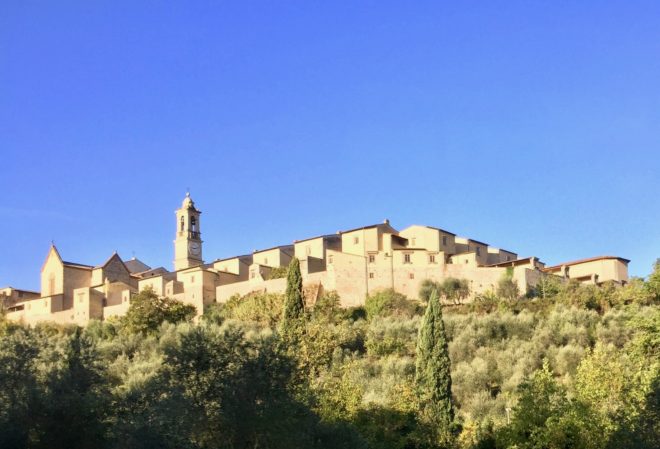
<point x="569" y="367"/>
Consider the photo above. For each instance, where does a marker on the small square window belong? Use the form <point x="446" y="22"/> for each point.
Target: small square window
<point x="411" y="275"/>
<point x="372" y="258"/>
<point x="356" y="240"/>
<point x="371" y="275"/>
<point x="406" y="258"/>
<point x="432" y="258"/>
<point x="478" y="251"/>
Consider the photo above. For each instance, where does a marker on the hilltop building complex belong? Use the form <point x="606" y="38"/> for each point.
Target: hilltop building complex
<point x="354" y="263"/>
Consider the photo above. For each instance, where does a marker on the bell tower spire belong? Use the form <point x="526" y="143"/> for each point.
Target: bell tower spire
<point x="188" y="241"/>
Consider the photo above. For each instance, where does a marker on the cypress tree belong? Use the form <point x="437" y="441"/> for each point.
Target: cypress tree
<point x="433" y="372"/>
<point x="294" y="305"/>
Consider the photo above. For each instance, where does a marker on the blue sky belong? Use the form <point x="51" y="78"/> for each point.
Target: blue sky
<point x="533" y="126"/>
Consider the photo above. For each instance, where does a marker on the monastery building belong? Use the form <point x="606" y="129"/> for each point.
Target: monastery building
<point x="354" y="263"/>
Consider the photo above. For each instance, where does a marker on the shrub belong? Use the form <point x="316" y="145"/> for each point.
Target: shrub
<point x="262" y="308"/>
<point x="147" y="311"/>
<point x="390" y="303"/>
<point x="327" y="308"/>
<point x="507" y="288"/>
<point x="387" y="335"/>
<point x="426" y="288"/>
<point x="278" y="272"/>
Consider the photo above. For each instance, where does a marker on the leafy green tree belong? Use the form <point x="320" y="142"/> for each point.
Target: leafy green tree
<point x="389" y="302"/>
<point x="653" y="281"/>
<point x="74" y="394"/>
<point x="454" y="290"/>
<point x="19" y="386"/>
<point x="433" y="373"/>
<point x="622" y="386"/>
<point x="507" y="288"/>
<point x="546" y="418"/>
<point x="262" y="308"/>
<point x="426" y="289"/>
<point x="278" y="272"/>
<point x="327" y="308"/>
<point x="547" y="287"/>
<point x="294" y="302"/>
<point x="148" y="311"/>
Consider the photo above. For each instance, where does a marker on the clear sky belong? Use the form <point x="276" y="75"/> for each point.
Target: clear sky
<point x="532" y="126"/>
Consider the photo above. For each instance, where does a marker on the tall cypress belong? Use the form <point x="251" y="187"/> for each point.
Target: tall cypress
<point x="433" y="371"/>
<point x="294" y="305"/>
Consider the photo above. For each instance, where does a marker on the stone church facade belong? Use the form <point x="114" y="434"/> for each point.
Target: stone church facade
<point x="354" y="263"/>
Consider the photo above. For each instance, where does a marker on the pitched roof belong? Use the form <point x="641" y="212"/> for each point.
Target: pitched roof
<point x="439" y="229"/>
<point x="81" y="266"/>
<point x="589" y="259"/>
<point x="509" y="263"/>
<point x="151" y="272"/>
<point x="136" y="266"/>
<point x="280" y="247"/>
<point x="244" y="256"/>
<point x="385" y="224"/>
<point x="324" y="237"/>
<point x="107" y="261"/>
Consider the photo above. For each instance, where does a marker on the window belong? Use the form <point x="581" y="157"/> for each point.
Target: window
<point x="444" y="240"/>
<point x="192" y="279"/>
<point x="431" y="258"/>
<point x="466" y="261"/>
<point x="356" y="240"/>
<point x="372" y="258"/>
<point x="508" y="258"/>
<point x="371" y="275"/>
<point x="193" y="224"/>
<point x="478" y="251"/>
<point x="330" y="259"/>
<point x="411" y="275"/>
<point x="406" y="258"/>
<point x="51" y="285"/>
<point x="183" y="221"/>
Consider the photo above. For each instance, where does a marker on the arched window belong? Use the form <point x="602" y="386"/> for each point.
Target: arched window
<point x="193" y="223"/>
<point x="183" y="221"/>
<point x="51" y="285"/>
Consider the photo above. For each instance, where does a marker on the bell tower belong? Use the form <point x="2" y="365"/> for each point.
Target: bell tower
<point x="188" y="242"/>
